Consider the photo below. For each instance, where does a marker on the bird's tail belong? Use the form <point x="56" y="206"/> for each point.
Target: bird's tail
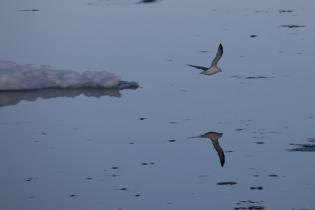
<point x="195" y="137"/>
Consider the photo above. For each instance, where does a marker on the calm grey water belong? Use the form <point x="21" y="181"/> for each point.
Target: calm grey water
<point x="78" y="151"/>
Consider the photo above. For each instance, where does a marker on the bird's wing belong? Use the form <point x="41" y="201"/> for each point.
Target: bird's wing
<point x="198" y="67"/>
<point x="217" y="56"/>
<point x="220" y="152"/>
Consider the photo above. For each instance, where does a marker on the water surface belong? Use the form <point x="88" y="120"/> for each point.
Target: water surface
<point x="133" y="151"/>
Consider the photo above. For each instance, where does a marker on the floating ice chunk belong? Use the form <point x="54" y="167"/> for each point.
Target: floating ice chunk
<point x="29" y="77"/>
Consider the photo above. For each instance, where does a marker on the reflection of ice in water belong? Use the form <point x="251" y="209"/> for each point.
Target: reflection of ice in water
<point x="14" y="97"/>
<point x="30" y="77"/>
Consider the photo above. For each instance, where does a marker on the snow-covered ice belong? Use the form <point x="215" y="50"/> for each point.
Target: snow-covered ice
<point x="30" y="77"/>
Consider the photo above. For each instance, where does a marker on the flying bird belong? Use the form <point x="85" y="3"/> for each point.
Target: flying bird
<point x="214" y="137"/>
<point x="213" y="69"/>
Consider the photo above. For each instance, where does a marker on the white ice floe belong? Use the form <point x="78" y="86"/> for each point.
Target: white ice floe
<point x="29" y="77"/>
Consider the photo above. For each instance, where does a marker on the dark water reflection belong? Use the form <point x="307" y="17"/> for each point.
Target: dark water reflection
<point x="252" y="77"/>
<point x="15" y="97"/>
<point x="28" y="10"/>
<point x="249" y="205"/>
<point x="148" y="1"/>
<point x="121" y="2"/>
<point x="293" y="26"/>
<point x="310" y="147"/>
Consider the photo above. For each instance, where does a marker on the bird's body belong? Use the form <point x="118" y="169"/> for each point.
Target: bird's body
<point x="214" y="137"/>
<point x="213" y="68"/>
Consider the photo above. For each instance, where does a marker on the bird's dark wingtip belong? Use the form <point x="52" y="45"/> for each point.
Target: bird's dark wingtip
<point x="221" y="46"/>
<point x="222" y="164"/>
